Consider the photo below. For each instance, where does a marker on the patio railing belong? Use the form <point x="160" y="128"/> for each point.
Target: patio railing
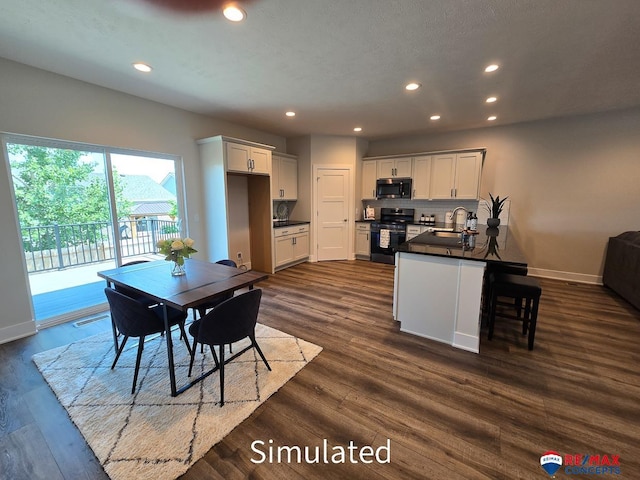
<point x="55" y="247"/>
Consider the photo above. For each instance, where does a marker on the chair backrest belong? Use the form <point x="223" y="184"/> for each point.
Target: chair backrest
<point x="232" y="320"/>
<point x="132" y="318"/>
<point x="127" y="291"/>
<point x="228" y="262"/>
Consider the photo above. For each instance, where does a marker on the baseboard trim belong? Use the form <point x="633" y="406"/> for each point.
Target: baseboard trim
<point x="566" y="276"/>
<point x="15" y="332"/>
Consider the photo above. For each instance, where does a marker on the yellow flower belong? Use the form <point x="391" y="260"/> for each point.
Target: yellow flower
<point x="177" y="245"/>
<point x="189" y="242"/>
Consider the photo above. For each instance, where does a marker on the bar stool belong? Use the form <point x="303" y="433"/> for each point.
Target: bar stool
<point x="494" y="268"/>
<point x="521" y="289"/>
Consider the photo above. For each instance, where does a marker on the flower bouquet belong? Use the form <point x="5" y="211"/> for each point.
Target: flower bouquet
<point x="176" y="250"/>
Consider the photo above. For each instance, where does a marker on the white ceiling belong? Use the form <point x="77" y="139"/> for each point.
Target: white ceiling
<point x="344" y="63"/>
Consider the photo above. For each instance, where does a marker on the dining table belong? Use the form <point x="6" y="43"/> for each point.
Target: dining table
<point x="202" y="282"/>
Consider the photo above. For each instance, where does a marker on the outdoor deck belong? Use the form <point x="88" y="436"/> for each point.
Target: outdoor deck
<point x="60" y="294"/>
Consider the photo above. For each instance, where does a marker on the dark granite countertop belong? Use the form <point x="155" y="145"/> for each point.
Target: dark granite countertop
<point x="488" y="245"/>
<point x="288" y="223"/>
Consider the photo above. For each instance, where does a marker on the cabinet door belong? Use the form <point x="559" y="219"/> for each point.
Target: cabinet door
<point x="443" y="168"/>
<point x="238" y="157"/>
<point x="301" y="246"/>
<point x="403" y="167"/>
<point x="386" y="168"/>
<point x="276" y="191"/>
<point x="421" y="177"/>
<point x="284" y="250"/>
<point x="363" y="246"/>
<point x="467" y="179"/>
<point x="289" y="178"/>
<point x="369" y="177"/>
<point x="260" y="161"/>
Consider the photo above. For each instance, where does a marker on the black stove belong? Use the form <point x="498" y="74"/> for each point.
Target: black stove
<point x="389" y="232"/>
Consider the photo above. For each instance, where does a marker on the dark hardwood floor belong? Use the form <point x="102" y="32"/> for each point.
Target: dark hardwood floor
<point x="447" y="413"/>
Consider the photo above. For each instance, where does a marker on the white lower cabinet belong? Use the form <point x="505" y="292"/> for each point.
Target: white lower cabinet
<point x="363" y="240"/>
<point x="414" y="231"/>
<point x="291" y="245"/>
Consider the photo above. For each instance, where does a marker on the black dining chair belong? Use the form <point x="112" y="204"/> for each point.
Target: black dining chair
<point x="230" y="321"/>
<point x="132" y="293"/>
<point x="202" y="309"/>
<point x="134" y="319"/>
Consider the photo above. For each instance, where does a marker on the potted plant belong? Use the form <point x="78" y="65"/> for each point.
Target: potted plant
<point x="495" y="209"/>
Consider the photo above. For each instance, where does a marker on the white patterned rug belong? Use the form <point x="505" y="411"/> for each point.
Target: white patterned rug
<point x="151" y="435"/>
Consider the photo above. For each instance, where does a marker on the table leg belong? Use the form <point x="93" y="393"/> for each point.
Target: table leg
<point x="116" y="347"/>
<point x="167" y="330"/>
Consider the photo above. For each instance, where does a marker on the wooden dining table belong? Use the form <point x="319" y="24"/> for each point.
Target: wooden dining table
<point x="202" y="282"/>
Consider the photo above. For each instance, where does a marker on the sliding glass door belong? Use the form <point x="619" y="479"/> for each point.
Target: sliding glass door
<point x="84" y="208"/>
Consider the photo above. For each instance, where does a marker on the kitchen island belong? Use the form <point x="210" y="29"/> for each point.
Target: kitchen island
<point x="439" y="278"/>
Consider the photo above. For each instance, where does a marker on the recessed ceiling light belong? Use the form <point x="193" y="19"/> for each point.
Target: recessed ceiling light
<point x="234" y="13"/>
<point x="142" y="67"/>
<point x="290" y="114"/>
<point x="412" y="86"/>
<point x="492" y="118"/>
<point x="491" y="99"/>
<point x="491" y="68"/>
<point x="357" y="129"/>
<point x="435" y="117"/>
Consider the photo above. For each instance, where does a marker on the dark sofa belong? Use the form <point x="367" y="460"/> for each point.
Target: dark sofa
<point x="622" y="266"/>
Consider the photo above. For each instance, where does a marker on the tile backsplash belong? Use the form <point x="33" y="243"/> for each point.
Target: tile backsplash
<point x="428" y="207"/>
<point x="437" y="207"/>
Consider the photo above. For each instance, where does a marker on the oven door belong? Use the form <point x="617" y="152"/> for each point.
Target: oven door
<point x="383" y="245"/>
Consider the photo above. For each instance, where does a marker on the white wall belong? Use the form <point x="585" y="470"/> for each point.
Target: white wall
<point x="573" y="183"/>
<point x="39" y="103"/>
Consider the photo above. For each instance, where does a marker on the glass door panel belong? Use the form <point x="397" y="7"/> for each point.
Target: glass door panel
<point x="63" y="209"/>
<point x="147" y="209"/>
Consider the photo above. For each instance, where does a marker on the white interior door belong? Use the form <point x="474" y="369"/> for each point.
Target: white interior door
<point x="332" y="196"/>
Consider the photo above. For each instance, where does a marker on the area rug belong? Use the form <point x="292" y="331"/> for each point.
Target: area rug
<point x="151" y="435"/>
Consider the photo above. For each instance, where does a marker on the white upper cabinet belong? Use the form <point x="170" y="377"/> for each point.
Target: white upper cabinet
<point x="394" y="167"/>
<point x="369" y="177"/>
<point x="456" y="175"/>
<point x="421" y="177"/>
<point x="467" y="181"/>
<point x="247" y="159"/>
<point x="284" y="177"/>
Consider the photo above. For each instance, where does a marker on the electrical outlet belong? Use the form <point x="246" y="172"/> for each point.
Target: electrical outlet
<point x="239" y="255"/>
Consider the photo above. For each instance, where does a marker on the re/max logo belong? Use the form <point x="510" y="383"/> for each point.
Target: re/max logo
<point x="592" y="460"/>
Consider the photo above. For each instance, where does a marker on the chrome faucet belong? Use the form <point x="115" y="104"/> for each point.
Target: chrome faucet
<point x="453" y="213"/>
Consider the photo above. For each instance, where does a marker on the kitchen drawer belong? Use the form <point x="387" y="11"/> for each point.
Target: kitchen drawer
<point x="293" y="230"/>
<point x="363" y="227"/>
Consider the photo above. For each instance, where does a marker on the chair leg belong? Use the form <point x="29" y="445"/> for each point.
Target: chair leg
<point x="534" y="321"/>
<point x="138" y="357"/>
<point x="124" y="341"/>
<point x="221" y="374"/>
<point x="183" y="336"/>
<point x="492" y="313"/>
<point x="215" y="357"/>
<point x="257" y="347"/>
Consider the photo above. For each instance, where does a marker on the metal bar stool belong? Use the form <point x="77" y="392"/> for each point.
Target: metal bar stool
<point x="521" y="289"/>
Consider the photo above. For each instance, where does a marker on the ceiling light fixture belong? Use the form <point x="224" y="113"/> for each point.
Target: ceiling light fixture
<point x="290" y="114"/>
<point x="357" y="129"/>
<point x="491" y="68"/>
<point x="435" y="117"/>
<point x="142" y="67"/>
<point x="492" y="118"/>
<point x="412" y="86"/>
<point x="234" y="13"/>
<point x="491" y="99"/>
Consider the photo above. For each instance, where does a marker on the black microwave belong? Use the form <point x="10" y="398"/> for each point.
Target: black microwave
<point x="393" y="188"/>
